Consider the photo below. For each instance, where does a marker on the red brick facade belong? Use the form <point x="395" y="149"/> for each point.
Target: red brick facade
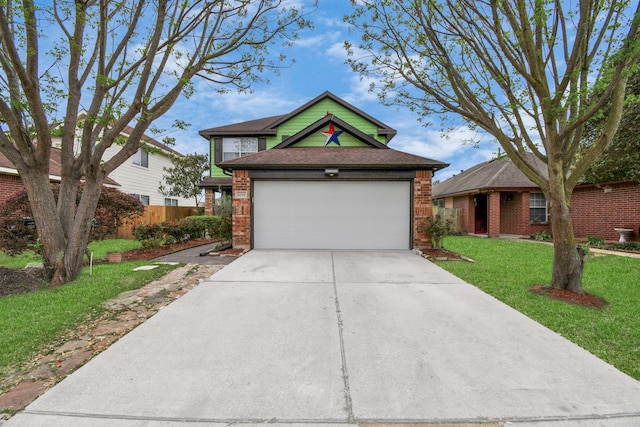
<point x="9" y="186"/>
<point x="596" y="211"/>
<point x="241" y="203"/>
<point x="208" y="201"/>
<point x="422" y="207"/>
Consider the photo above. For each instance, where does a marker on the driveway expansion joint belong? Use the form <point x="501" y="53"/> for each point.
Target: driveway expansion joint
<point x="345" y="371"/>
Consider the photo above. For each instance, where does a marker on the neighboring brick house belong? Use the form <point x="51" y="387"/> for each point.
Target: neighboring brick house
<point x="320" y="177"/>
<point x="496" y="198"/>
<point x="11" y="184"/>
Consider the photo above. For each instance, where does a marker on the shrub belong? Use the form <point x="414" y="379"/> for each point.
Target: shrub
<point x="596" y="241"/>
<point x="626" y="246"/>
<point x="541" y="236"/>
<point x="437" y="228"/>
<point x="18" y="231"/>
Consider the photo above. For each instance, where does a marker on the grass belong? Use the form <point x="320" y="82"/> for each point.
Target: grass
<point x="99" y="249"/>
<point x="32" y="322"/>
<point x="506" y="270"/>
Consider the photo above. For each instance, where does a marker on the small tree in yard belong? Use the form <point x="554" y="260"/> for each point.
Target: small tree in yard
<point x="529" y="73"/>
<point x="182" y="179"/>
<point x="124" y="63"/>
<point x="437" y="228"/>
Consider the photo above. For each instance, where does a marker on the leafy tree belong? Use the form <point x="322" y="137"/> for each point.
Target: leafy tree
<point x="523" y="71"/>
<point x="621" y="160"/>
<point x="182" y="179"/>
<point x="123" y="63"/>
<point x="18" y="232"/>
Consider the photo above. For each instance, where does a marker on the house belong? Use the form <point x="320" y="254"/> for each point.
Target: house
<point x="496" y="199"/>
<point x="142" y="173"/>
<point x="11" y="184"/>
<point x="320" y="177"/>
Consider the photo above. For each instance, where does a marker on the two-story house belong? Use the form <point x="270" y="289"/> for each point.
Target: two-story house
<point x="320" y="177"/>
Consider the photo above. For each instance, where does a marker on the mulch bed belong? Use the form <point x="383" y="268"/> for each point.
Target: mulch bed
<point x="151" y="253"/>
<point x="20" y="281"/>
<point x="440" y="254"/>
<point x="587" y="300"/>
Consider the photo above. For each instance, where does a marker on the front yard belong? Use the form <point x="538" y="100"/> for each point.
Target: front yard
<point x="507" y="269"/>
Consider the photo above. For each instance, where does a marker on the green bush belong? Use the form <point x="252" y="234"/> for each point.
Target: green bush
<point x="626" y="246"/>
<point x="437" y="228"/>
<point x="596" y="241"/>
<point x="541" y="236"/>
<point x="193" y="227"/>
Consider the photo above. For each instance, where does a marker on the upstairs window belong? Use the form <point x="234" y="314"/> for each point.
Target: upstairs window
<point x="171" y="202"/>
<point x="232" y="148"/>
<point x="141" y="158"/>
<point x="537" y="208"/>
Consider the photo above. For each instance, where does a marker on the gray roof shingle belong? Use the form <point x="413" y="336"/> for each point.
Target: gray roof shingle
<point x="340" y="157"/>
<point x="497" y="173"/>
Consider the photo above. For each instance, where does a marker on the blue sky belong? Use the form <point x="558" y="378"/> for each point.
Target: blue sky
<point x="320" y="66"/>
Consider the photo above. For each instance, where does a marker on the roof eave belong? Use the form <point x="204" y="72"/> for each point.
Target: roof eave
<point x="265" y="132"/>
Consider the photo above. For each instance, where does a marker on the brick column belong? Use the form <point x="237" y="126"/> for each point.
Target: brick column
<point x="208" y="201"/>
<point x="422" y="207"/>
<point x="241" y="202"/>
<point x="494" y="214"/>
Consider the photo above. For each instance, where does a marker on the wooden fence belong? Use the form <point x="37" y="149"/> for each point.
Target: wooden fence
<point x="454" y="214"/>
<point x="153" y="215"/>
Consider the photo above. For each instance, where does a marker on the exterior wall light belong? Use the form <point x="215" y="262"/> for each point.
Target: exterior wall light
<point x="331" y="172"/>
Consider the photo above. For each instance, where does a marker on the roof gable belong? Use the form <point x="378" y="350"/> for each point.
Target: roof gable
<point x="496" y="173"/>
<point x="284" y="126"/>
<point x="326" y="102"/>
<point x="302" y="138"/>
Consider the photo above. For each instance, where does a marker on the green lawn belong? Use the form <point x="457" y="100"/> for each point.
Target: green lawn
<point x="36" y="320"/>
<point x="99" y="249"/>
<point x="506" y="269"/>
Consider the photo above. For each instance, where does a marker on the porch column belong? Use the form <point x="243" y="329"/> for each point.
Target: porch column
<point x="493" y="229"/>
<point x="241" y="202"/>
<point x="209" y="195"/>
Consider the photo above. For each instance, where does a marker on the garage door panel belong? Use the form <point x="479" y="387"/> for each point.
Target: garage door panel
<point x="331" y="214"/>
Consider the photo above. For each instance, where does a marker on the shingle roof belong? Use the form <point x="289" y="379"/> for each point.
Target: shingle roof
<point x="267" y="126"/>
<point x="155" y="143"/>
<point x="252" y="127"/>
<point x="340" y="157"/>
<point x="496" y="173"/>
<point x="55" y="168"/>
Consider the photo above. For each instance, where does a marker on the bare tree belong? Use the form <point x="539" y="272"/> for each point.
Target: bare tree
<point x="524" y="71"/>
<point x="124" y="63"/>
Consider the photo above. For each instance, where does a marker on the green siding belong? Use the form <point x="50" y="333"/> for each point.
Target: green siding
<point x="308" y="117"/>
<point x="319" y="140"/>
<point x="318" y="111"/>
<point x="216" y="172"/>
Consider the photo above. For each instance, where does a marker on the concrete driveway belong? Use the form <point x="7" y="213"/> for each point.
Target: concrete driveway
<point x="339" y="338"/>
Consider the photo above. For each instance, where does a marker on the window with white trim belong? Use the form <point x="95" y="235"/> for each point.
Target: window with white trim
<point x="141" y="158"/>
<point x="143" y="199"/>
<point x="235" y="147"/>
<point x="170" y="202"/>
<point x="537" y="208"/>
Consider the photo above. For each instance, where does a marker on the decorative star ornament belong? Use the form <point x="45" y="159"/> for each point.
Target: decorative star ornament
<point x="332" y="135"/>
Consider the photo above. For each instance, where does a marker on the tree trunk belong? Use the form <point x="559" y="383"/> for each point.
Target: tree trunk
<point x="567" y="255"/>
<point x="78" y="235"/>
<point x="50" y="232"/>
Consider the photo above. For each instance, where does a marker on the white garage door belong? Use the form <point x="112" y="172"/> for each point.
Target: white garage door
<point x="331" y="214"/>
